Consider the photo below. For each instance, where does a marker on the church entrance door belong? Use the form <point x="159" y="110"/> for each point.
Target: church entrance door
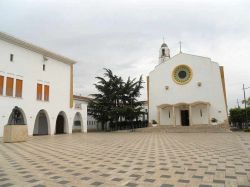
<point x="184" y="118"/>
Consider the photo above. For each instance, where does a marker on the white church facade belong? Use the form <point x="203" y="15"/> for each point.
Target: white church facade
<point x="40" y="83"/>
<point x="186" y="90"/>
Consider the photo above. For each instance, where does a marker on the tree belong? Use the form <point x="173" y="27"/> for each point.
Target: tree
<point x="247" y="101"/>
<point x="238" y="118"/>
<point x="116" y="100"/>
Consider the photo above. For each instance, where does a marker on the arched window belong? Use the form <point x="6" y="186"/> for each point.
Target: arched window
<point x="77" y="124"/>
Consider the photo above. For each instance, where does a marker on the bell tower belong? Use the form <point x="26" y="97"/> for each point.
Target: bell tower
<point x="164" y="53"/>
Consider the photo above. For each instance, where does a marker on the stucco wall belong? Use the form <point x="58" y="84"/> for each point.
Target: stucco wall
<point x="165" y="119"/>
<point x="200" y="115"/>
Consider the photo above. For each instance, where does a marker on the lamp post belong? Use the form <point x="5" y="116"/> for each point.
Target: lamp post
<point x="245" y="101"/>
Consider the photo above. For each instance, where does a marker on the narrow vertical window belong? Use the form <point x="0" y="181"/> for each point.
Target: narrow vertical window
<point x="169" y="114"/>
<point x="1" y="84"/>
<point x="9" y="86"/>
<point x="46" y="92"/>
<point x="39" y="92"/>
<point x="11" y="57"/>
<point x="163" y="52"/>
<point x="44" y="67"/>
<point x="19" y="88"/>
<point x="201" y="112"/>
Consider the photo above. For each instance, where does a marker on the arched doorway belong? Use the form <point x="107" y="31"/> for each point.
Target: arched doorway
<point x="21" y="120"/>
<point x="61" y="123"/>
<point x="77" y="123"/>
<point x="41" y="126"/>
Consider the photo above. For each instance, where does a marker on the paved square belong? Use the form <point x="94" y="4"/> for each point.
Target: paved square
<point x="128" y="159"/>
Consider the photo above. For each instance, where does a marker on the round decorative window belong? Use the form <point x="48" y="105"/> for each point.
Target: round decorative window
<point x="182" y="74"/>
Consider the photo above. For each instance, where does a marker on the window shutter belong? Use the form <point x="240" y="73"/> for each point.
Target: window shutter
<point x="39" y="91"/>
<point x="46" y="92"/>
<point x="1" y="84"/>
<point x="19" y="88"/>
<point x="9" y="86"/>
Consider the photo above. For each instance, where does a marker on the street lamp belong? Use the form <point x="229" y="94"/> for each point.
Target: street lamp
<point x="245" y="101"/>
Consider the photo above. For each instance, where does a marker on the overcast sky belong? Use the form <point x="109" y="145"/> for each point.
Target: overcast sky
<point x="125" y="35"/>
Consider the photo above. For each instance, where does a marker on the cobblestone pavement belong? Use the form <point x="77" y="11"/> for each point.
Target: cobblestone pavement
<point x="128" y="159"/>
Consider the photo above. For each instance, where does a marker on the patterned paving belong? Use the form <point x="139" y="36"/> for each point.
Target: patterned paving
<point x="128" y="159"/>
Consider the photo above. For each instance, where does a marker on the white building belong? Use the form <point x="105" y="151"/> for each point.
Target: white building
<point x="80" y="105"/>
<point x="40" y="83"/>
<point x="186" y="90"/>
<point x="92" y="123"/>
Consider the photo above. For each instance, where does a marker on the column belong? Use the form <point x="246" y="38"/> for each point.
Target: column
<point x="14" y="87"/>
<point x="190" y="115"/>
<point x="158" y="115"/>
<point x="4" y="84"/>
<point x="174" y="118"/>
<point x="208" y="114"/>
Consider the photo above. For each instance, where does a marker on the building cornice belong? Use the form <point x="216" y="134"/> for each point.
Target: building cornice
<point x="13" y="40"/>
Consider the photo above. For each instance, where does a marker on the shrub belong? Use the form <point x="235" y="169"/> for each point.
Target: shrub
<point x="246" y="130"/>
<point x="154" y="122"/>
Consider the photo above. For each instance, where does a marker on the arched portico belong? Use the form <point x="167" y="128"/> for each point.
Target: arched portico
<point x="42" y="123"/>
<point x="184" y="114"/>
<point x="77" y="123"/>
<point x="62" y="123"/>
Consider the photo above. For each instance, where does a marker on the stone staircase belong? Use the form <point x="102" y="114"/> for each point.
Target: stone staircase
<point x="184" y="129"/>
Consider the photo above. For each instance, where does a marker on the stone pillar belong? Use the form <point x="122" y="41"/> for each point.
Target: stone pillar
<point x="174" y="118"/>
<point x="14" y="88"/>
<point x="208" y="114"/>
<point x="190" y="116"/>
<point x="4" y="84"/>
<point x="158" y="115"/>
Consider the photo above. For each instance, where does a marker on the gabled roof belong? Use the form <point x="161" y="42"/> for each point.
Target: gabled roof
<point x="186" y="54"/>
<point x="13" y="40"/>
<point x="180" y="54"/>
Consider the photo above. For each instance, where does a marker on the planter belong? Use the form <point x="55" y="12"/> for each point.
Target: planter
<point x="154" y="125"/>
<point x="15" y="133"/>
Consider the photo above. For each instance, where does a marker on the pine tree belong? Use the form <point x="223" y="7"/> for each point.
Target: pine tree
<point x="116" y="100"/>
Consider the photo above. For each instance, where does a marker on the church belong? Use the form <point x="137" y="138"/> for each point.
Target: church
<point x="186" y="90"/>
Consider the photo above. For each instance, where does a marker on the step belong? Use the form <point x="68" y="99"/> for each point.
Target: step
<point x="184" y="129"/>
